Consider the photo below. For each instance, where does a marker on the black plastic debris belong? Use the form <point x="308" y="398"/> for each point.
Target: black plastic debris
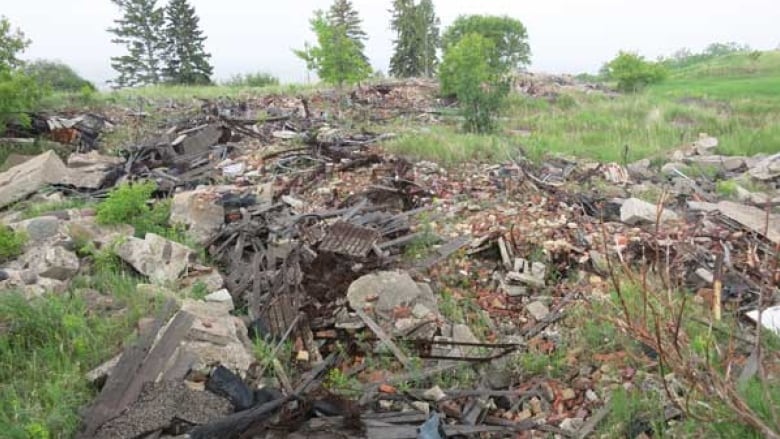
<point x="225" y="383"/>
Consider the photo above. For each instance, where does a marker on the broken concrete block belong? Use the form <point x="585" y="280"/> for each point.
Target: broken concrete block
<point x="538" y="310"/>
<point x="40" y="228"/>
<point x="766" y="169"/>
<point x="29" y="177"/>
<point x="705" y="144"/>
<point x="221" y="296"/>
<point x="200" y="212"/>
<point x="52" y="262"/>
<point x="90" y="170"/>
<point x="635" y="211"/>
<point x="155" y="257"/>
<point x="200" y="141"/>
<point x="387" y="290"/>
<point x="88" y="231"/>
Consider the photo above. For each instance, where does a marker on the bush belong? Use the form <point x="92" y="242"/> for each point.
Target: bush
<point x="633" y="73"/>
<point x="508" y="35"/>
<point x="58" y="76"/>
<point x="259" y="79"/>
<point x="11" y="243"/>
<point x="467" y="73"/>
<point x="18" y="93"/>
<point x="128" y="204"/>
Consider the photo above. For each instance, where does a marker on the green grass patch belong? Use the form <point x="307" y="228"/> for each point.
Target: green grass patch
<point x="48" y="344"/>
<point x="11" y="243"/>
<point x="449" y="146"/>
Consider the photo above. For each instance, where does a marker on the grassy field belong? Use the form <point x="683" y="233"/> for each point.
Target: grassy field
<point x="734" y="98"/>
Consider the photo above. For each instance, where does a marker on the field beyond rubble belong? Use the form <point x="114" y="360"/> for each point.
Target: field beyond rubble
<point x="300" y="262"/>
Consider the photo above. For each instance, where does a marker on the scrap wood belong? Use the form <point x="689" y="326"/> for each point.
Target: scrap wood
<point x="443" y="252"/>
<point x="376" y="329"/>
<point x="140" y="362"/>
<point x="370" y="390"/>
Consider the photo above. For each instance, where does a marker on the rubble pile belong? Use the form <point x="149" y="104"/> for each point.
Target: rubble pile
<point x="314" y="235"/>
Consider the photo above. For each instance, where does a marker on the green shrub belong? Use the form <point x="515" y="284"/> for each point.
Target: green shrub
<point x="633" y="73"/>
<point x="128" y="204"/>
<point x="11" y="243"/>
<point x="57" y="75"/>
<point x="467" y="72"/>
<point x="259" y="79"/>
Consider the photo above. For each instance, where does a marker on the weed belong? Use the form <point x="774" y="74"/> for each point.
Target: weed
<point x="199" y="290"/>
<point x="530" y="364"/>
<point x="11" y="243"/>
<point x="726" y="188"/>
<point x="635" y="412"/>
<point x="340" y="383"/>
<point x="450" y="308"/>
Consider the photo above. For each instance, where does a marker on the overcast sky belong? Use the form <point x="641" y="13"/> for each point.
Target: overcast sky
<point x="566" y="36"/>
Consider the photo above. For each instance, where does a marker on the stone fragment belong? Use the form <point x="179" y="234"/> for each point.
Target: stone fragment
<point x="635" y="211"/>
<point x="200" y="211"/>
<point x="538" y="310"/>
<point x="156" y="257"/>
<point x="29" y="177"/>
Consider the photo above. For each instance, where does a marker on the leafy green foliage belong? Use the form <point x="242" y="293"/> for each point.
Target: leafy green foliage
<point x="633" y="73"/>
<point x="337" y="58"/>
<point x="258" y="79"/>
<point x="508" y="35"/>
<point x="11" y="243"/>
<point x="56" y="75"/>
<point x="141" y="30"/>
<point x="186" y="61"/>
<point x="128" y="204"/>
<point x="12" y="43"/>
<point x="417" y="39"/>
<point x="468" y="73"/>
<point x="18" y="92"/>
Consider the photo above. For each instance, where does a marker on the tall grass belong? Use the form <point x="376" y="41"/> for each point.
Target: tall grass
<point x="48" y="344"/>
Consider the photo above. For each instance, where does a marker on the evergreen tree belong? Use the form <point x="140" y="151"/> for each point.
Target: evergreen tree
<point x="186" y="61"/>
<point x="141" y="30"/>
<point x="430" y="25"/>
<point x="417" y="30"/>
<point x="343" y="15"/>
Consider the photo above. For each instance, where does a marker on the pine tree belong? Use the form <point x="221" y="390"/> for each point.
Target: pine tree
<point x="417" y="30"/>
<point x="343" y="14"/>
<point x="430" y="25"/>
<point x="141" y="30"/>
<point x="186" y="61"/>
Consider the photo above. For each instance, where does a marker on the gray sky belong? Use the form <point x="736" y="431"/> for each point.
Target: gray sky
<point x="566" y="36"/>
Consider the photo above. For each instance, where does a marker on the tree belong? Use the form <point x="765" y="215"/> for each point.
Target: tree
<point x="186" y="61"/>
<point x="508" y="35"/>
<point x="57" y="75"/>
<point x="18" y="92"/>
<point x="141" y="30"/>
<point x="342" y="14"/>
<point x="417" y="39"/>
<point x="467" y="71"/>
<point x="632" y="72"/>
<point x="12" y="43"/>
<point x="337" y="58"/>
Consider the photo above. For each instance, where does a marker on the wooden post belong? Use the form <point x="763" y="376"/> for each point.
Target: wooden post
<point x="717" y="287"/>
